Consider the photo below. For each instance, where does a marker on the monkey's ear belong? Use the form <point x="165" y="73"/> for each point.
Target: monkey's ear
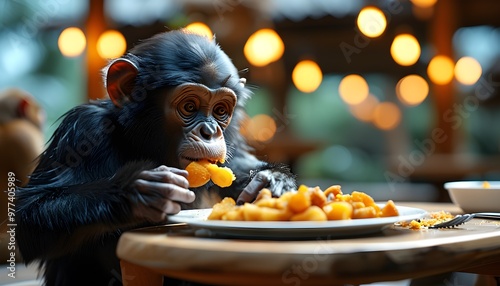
<point x="22" y="107"/>
<point x="120" y="80"/>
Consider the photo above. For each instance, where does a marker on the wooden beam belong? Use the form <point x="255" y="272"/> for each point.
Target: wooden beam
<point x="443" y="26"/>
<point x="95" y="26"/>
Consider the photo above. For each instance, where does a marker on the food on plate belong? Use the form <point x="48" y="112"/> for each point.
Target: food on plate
<point x="486" y="185"/>
<point x="200" y="172"/>
<point x="432" y="218"/>
<point x="305" y="204"/>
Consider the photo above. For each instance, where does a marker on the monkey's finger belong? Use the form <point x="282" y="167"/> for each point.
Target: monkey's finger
<point x="251" y="191"/>
<point x="177" y="171"/>
<point x="158" y="206"/>
<point x="180" y="172"/>
<point x="160" y="168"/>
<point x="165" y="176"/>
<point x="171" y="207"/>
<point x="165" y="190"/>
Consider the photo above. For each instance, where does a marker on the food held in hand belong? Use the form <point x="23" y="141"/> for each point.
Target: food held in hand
<point x="198" y="175"/>
<point x="305" y="204"/>
<point x="221" y="176"/>
<point x="200" y="172"/>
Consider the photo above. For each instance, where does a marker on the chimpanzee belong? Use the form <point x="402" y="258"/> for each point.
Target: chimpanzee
<point x="117" y="164"/>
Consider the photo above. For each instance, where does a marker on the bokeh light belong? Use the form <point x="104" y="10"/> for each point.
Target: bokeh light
<point x="364" y="110"/>
<point x="72" y="42"/>
<point x="468" y="70"/>
<point x="405" y="49"/>
<point x="412" y="90"/>
<point x="386" y="116"/>
<point x="307" y="76"/>
<point x="111" y="44"/>
<point x="260" y="128"/>
<point x="200" y="29"/>
<point x="424" y="3"/>
<point x="440" y="70"/>
<point x="353" y="89"/>
<point x="263" y="47"/>
<point x="371" y="22"/>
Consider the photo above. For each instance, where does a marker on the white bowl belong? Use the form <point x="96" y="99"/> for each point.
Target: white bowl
<point x="473" y="196"/>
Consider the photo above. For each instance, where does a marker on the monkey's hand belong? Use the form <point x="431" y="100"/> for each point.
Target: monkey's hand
<point x="158" y="192"/>
<point x="276" y="178"/>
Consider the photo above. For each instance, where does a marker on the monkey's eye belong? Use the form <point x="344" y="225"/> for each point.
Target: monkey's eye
<point x="221" y="112"/>
<point x="188" y="107"/>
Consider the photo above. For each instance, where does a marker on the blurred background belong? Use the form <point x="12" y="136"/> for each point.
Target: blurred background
<point x="389" y="97"/>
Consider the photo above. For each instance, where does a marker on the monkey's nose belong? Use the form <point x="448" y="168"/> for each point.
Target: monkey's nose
<point x="208" y="131"/>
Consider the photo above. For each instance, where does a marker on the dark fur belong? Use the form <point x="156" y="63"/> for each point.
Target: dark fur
<point x="79" y="199"/>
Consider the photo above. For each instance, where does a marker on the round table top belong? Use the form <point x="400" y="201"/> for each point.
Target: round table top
<point x="394" y="253"/>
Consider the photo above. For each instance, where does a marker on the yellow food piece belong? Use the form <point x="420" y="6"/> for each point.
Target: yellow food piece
<point x="366" y="212"/>
<point x="362" y="197"/>
<point x="343" y="198"/>
<point x="303" y="189"/>
<point x="333" y="190"/>
<point x="338" y="210"/>
<point x="318" y="198"/>
<point x="314" y="213"/>
<point x="200" y="172"/>
<point x="264" y="194"/>
<point x="221" y="176"/>
<point x="220" y="209"/>
<point x="270" y="203"/>
<point x="198" y="175"/>
<point x="306" y="204"/>
<point x="357" y="205"/>
<point x="234" y="214"/>
<point x="299" y="202"/>
<point x="252" y="212"/>
<point x="486" y="185"/>
<point x="389" y="209"/>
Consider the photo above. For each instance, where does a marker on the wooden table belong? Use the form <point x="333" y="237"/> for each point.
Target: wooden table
<point x="394" y="254"/>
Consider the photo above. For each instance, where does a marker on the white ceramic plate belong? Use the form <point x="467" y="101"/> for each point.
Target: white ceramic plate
<point x="472" y="196"/>
<point x="292" y="229"/>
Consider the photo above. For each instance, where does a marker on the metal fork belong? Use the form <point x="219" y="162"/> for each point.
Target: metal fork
<point x="461" y="219"/>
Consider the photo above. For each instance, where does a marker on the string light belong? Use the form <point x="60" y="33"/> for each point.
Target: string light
<point x="353" y="89"/>
<point x="412" y="90"/>
<point x="423" y="3"/>
<point x="307" y="76"/>
<point x="263" y="47"/>
<point x="440" y="70"/>
<point x="468" y="70"/>
<point x="111" y="44"/>
<point x="72" y="42"/>
<point x="371" y="22"/>
<point x="260" y="128"/>
<point x="200" y="29"/>
<point x="405" y="49"/>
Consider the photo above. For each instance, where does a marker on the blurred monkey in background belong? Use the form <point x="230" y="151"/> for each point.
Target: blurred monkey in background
<point x="21" y="142"/>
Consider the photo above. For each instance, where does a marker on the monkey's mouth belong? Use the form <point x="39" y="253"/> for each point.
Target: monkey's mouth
<point x="212" y="161"/>
<point x="213" y="153"/>
<point x="187" y="160"/>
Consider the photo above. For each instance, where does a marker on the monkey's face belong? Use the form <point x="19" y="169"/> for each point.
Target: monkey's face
<point x="203" y="114"/>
